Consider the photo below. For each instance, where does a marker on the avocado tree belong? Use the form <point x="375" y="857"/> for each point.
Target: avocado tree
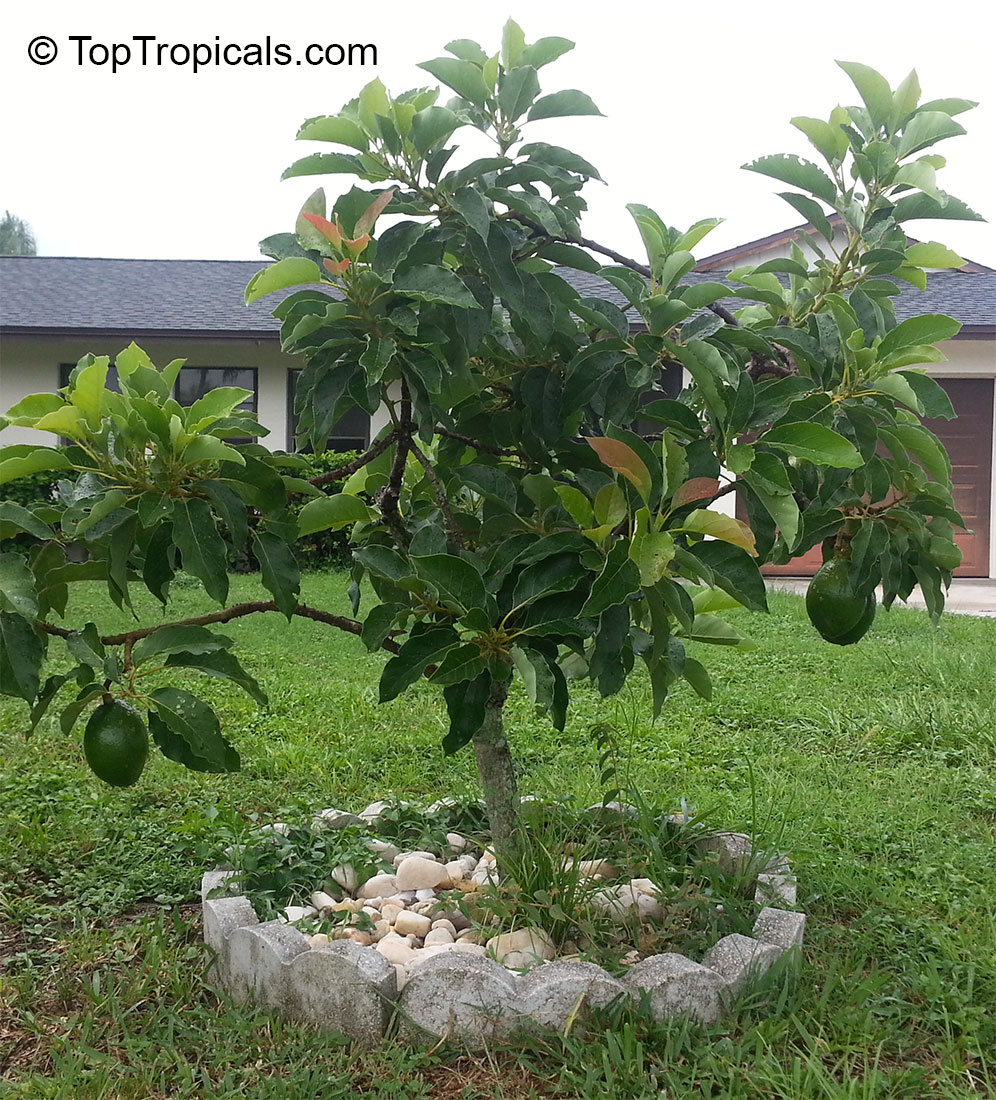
<point x="514" y="517"/>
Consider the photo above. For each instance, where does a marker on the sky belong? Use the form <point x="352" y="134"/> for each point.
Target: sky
<point x="162" y="162"/>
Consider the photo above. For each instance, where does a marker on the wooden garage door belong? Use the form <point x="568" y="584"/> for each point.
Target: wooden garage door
<point x="969" y="442"/>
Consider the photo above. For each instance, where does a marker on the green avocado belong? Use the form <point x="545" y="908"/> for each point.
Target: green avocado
<point x="116" y="743"/>
<point x="838" y="612"/>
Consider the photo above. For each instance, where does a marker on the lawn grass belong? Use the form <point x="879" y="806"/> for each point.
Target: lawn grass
<point x="874" y="765"/>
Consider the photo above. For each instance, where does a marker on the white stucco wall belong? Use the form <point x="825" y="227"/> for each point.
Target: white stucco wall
<point x="31" y="365"/>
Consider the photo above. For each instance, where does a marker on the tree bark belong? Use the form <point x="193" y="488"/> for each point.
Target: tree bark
<point x="497" y="772"/>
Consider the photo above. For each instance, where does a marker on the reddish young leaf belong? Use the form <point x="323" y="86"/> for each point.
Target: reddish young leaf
<point x="624" y="460"/>
<point x="366" y="221"/>
<point x="327" y="229"/>
<point x="357" y="246"/>
<point x="698" y="488"/>
<point x="336" y="267"/>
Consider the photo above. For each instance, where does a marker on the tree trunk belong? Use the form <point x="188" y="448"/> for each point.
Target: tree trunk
<point x="497" y="772"/>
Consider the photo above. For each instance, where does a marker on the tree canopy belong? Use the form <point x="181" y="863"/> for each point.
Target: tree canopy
<point x="537" y="507"/>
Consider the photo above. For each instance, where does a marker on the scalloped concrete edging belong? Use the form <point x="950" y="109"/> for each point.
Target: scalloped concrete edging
<point x="353" y="989"/>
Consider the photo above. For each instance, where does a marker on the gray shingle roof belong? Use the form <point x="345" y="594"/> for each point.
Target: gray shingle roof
<point x="70" y="294"/>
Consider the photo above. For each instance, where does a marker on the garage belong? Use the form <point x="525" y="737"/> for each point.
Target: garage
<point x="969" y="442"/>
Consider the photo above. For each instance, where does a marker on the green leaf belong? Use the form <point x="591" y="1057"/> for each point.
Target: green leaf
<point x="331" y="513"/>
<point x="464" y="77"/>
<point x="932" y="254"/>
<point x="797" y="172"/>
<point x="874" y="91"/>
<point x="518" y="88"/>
<point x="557" y="573"/>
<point x="735" y="571"/>
<point x="915" y="207"/>
<point x="431" y="283"/>
<point x="384" y="562"/>
<point x="928" y="328"/>
<point x="815" y="443"/>
<point x="716" y="631"/>
<point x="417" y="652"/>
<point x="619" y="578"/>
<point x="932" y="397"/>
<point x="202" y="549"/>
<point x="21" y="655"/>
<point x="186" y="730"/>
<point x="279" y="569"/>
<point x="466" y="704"/>
<point x="431" y="126"/>
<point x="378" y="624"/>
<point x="284" y="273"/>
<point x="698" y="676"/>
<point x="464" y="662"/>
<point x="470" y="205"/>
<point x="459" y="585"/>
<point x="22" y="461"/>
<point x="85" y="645"/>
<point x="222" y="664"/>
<point x="545" y="50"/>
<point x="320" y="164"/>
<point x="719" y="526"/>
<point x="652" y="551"/>
<point x="926" y="128"/>
<point x="17" y="587"/>
<point x="560" y="104"/>
<point x="334" y="128"/>
<point x="195" y="640"/>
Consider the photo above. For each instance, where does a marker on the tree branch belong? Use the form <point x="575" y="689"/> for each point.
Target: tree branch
<point x="484" y="448"/>
<point x="444" y="505"/>
<point x="358" y="463"/>
<point x="226" y="614"/>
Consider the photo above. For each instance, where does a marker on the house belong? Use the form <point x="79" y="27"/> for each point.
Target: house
<point x="55" y="309"/>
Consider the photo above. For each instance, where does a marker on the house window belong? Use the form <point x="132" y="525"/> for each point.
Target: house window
<point x="351" y="432"/>
<point x="66" y="369"/>
<point x="192" y="384"/>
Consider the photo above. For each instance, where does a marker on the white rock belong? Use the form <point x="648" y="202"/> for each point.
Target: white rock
<point x="333" y="819"/>
<point x="470" y="948"/>
<point x="425" y="895"/>
<point x="383" y="848"/>
<point x="347" y="905"/>
<point x="402" y="856"/>
<point x="345" y="876"/>
<point x="456" y="869"/>
<point x="423" y="954"/>
<point x="589" y="868"/>
<point x="488" y="857"/>
<point x="319" y="939"/>
<point x="645" y="886"/>
<point x="468" y="862"/>
<point x="441" y="804"/>
<point x="279" y="827"/>
<point x="380" y="886"/>
<point x="390" y="912"/>
<point x="428" y="908"/>
<point x="371" y="911"/>
<point x="395" y="950"/>
<point x="401" y="975"/>
<point x="321" y="900"/>
<point x="418" y="873"/>
<point x="442" y="922"/>
<point x="438" y="936"/>
<point x="456" y="842"/>
<point x="526" y="946"/>
<point x="470" y="935"/>
<point x="402" y="897"/>
<point x="297" y="912"/>
<point x="381" y="929"/>
<point x="408" y="922"/>
<point x="373" y="811"/>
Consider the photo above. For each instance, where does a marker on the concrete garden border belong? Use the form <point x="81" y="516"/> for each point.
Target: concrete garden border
<point x="354" y="989"/>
